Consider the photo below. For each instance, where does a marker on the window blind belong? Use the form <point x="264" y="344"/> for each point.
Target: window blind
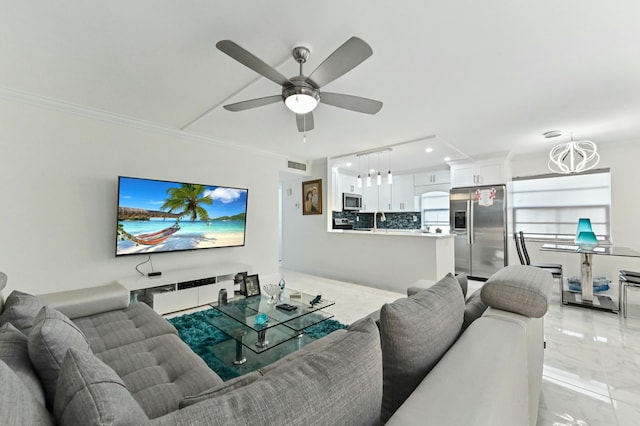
<point x="549" y="206"/>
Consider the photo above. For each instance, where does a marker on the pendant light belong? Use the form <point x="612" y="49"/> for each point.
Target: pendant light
<point x="379" y="178"/>
<point x="359" y="168"/>
<point x="573" y="156"/>
<point x="368" y="172"/>
<point x="389" y="175"/>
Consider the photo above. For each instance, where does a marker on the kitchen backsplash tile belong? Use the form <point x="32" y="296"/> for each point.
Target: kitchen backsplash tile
<point x="395" y="220"/>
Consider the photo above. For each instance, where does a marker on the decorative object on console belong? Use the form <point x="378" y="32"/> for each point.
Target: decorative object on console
<point x="239" y="279"/>
<point x="222" y="297"/>
<point x="281" y="285"/>
<point x="312" y="197"/>
<point x="252" y="285"/>
<point x="271" y="290"/>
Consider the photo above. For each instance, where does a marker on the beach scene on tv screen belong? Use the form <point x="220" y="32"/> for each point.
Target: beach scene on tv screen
<point x="158" y="216"/>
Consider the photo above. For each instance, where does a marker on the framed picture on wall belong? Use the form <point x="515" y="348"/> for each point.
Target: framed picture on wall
<point x="312" y="197"/>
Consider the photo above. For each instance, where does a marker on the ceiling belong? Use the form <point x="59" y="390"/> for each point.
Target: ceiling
<point x="484" y="77"/>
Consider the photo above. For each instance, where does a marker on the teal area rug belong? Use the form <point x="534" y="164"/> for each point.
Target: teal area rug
<point x="200" y="336"/>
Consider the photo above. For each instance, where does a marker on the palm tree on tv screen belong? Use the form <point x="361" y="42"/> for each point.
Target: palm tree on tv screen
<point x="187" y="200"/>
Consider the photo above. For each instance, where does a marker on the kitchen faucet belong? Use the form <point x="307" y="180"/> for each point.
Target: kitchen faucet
<point x="375" y="219"/>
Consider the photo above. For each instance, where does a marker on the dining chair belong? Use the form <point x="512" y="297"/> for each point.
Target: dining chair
<point x="554" y="268"/>
<point x="627" y="279"/>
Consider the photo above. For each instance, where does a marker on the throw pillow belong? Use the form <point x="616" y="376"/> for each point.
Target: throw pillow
<point x="473" y="309"/>
<point x="90" y="393"/>
<point x="50" y="338"/>
<point x="20" y="309"/>
<point x="17" y="404"/>
<point x="415" y="333"/>
<point x="14" y="351"/>
<point x="525" y="290"/>
<point x="423" y="284"/>
<point x="464" y="283"/>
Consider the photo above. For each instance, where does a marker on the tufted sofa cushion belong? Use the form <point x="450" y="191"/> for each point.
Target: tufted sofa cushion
<point x="145" y="351"/>
<point x="116" y="328"/>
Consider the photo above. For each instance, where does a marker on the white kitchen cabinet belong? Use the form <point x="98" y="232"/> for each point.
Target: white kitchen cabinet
<point x="385" y="197"/>
<point x="342" y="183"/>
<point x="402" y="196"/>
<point x="432" y="177"/>
<point x="369" y="197"/>
<point x="483" y="172"/>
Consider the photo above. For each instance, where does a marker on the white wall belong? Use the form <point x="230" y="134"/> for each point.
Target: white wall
<point x="58" y="173"/>
<point x="621" y="158"/>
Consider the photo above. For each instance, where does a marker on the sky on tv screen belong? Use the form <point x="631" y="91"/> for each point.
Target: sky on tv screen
<point x="158" y="216"/>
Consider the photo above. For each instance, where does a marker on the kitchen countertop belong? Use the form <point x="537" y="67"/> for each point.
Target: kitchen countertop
<point x="400" y="232"/>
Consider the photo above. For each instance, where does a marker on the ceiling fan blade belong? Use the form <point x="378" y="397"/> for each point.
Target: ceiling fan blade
<point x="253" y="103"/>
<point x="353" y="103"/>
<point x="305" y="122"/>
<point x="342" y="60"/>
<point x="251" y="61"/>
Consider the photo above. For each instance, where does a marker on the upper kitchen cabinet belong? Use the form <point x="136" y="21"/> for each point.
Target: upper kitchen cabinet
<point x="490" y="171"/>
<point x="370" y="198"/>
<point x="433" y="177"/>
<point x="341" y="183"/>
<point x="402" y="193"/>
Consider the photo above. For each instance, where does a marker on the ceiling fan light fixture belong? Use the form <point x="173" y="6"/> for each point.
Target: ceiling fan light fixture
<point x="301" y="103"/>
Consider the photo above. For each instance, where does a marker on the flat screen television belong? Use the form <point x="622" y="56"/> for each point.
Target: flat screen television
<point x="156" y="216"/>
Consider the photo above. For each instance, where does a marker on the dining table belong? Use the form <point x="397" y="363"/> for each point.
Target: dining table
<point x="586" y="297"/>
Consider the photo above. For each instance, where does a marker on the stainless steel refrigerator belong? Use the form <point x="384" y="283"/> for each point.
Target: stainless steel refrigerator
<point x="478" y="217"/>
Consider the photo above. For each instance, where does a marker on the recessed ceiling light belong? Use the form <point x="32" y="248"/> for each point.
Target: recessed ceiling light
<point x="372" y="170"/>
<point x="428" y="149"/>
<point x="552" y="134"/>
<point x="349" y="164"/>
<point x="447" y="158"/>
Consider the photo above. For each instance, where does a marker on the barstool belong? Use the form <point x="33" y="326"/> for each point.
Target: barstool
<point x="626" y="279"/>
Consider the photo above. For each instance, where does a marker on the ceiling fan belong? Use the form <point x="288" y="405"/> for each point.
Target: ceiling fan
<point x="301" y="94"/>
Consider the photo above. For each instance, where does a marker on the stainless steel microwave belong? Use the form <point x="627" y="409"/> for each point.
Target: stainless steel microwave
<point x="351" y="201"/>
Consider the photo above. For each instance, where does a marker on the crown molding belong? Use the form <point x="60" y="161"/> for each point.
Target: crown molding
<point x="13" y="95"/>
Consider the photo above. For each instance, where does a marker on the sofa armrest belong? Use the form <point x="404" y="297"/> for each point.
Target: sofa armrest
<point x="481" y="380"/>
<point x="88" y="301"/>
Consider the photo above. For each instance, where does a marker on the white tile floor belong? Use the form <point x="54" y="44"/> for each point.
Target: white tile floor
<point x="592" y="361"/>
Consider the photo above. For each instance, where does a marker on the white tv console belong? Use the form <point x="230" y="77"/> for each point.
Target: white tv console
<point x="178" y="290"/>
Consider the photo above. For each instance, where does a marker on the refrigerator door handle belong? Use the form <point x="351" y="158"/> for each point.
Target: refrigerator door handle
<point x="469" y="221"/>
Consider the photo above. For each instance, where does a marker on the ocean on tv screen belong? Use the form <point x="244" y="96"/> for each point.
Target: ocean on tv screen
<point x="159" y="216"/>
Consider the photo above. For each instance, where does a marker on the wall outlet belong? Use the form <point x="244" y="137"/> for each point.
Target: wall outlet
<point x="415" y="218"/>
<point x="357" y="218"/>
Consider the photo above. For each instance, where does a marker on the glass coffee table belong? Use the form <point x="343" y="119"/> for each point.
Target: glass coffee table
<point x="241" y="316"/>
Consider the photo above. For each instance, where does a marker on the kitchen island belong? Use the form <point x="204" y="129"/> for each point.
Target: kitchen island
<point x="389" y="259"/>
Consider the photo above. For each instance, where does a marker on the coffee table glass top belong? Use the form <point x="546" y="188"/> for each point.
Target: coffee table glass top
<point x="240" y="313"/>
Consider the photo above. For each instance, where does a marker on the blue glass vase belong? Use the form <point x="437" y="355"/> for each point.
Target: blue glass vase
<point x="584" y="225"/>
<point x="587" y="240"/>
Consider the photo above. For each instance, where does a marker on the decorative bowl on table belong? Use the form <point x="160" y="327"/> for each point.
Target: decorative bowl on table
<point x="271" y="290"/>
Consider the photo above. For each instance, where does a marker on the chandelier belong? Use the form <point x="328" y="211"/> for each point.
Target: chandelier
<point x="573" y="157"/>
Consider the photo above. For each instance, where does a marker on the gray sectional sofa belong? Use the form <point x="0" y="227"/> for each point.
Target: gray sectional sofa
<point x="89" y="357"/>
